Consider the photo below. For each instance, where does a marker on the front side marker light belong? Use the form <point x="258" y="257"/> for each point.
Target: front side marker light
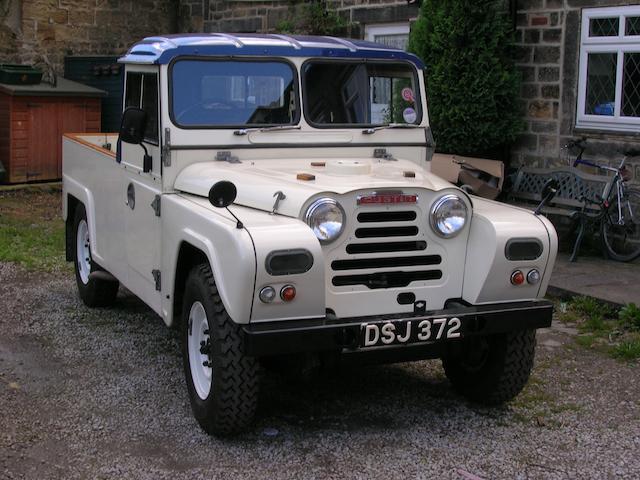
<point x="267" y="294"/>
<point x="533" y="277"/>
<point x="517" y="278"/>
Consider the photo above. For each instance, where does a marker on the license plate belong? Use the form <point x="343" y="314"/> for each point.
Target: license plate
<point x="380" y="334"/>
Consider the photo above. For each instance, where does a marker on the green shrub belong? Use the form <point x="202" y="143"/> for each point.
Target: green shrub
<point x="630" y="316"/>
<point x="472" y="83"/>
<point x="312" y="18"/>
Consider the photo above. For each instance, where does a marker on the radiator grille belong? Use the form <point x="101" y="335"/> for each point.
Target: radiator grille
<point x="388" y="251"/>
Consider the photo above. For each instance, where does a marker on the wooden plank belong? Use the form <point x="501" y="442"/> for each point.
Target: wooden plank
<point x="76" y="138"/>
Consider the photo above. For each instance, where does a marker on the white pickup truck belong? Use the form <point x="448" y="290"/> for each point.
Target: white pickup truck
<point x="271" y="197"/>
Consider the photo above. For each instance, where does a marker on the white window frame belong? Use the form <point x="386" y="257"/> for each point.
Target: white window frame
<point x="370" y="31"/>
<point x="619" y="44"/>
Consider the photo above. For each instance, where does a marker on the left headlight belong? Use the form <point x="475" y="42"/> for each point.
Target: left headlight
<point x="326" y="218"/>
<point x="448" y="215"/>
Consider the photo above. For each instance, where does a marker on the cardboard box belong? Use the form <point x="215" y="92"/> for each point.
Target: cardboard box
<point x="485" y="177"/>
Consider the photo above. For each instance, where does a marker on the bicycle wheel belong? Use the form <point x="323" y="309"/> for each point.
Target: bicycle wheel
<point x="621" y="236"/>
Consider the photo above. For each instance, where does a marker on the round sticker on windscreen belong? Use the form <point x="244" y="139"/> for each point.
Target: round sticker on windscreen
<point x="407" y="94"/>
<point x="409" y="115"/>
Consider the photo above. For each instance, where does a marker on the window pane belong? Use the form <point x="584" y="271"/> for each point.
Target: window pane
<point x="631" y="85"/>
<point x="601" y="83"/>
<point x="134" y="89"/>
<point x="233" y="93"/>
<point x="604" y="27"/>
<point x="150" y="105"/>
<point x="394" y="40"/>
<point x="355" y="93"/>
<point x="633" y="26"/>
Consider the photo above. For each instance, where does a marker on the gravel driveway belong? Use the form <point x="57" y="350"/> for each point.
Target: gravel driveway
<point x="100" y="394"/>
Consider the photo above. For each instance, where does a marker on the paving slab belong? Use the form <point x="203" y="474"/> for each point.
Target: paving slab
<point x="607" y="280"/>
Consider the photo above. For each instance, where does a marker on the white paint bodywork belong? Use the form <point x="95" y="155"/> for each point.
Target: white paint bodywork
<point x="130" y="243"/>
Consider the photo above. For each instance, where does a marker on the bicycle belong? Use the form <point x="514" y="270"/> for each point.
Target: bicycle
<point x="617" y="211"/>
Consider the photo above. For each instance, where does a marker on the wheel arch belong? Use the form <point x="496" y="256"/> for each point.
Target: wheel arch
<point x="188" y="257"/>
<point x="75" y="194"/>
<point x="70" y="208"/>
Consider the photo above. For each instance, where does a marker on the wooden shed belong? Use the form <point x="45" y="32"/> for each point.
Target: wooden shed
<point x="32" y="121"/>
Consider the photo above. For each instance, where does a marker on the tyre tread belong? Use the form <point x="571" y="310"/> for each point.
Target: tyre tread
<point x="236" y="383"/>
<point x="507" y="377"/>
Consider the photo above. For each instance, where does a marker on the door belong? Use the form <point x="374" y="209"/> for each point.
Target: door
<point x="42" y="162"/>
<point x="142" y="190"/>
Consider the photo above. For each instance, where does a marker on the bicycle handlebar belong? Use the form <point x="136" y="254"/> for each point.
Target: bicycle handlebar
<point x="578" y="142"/>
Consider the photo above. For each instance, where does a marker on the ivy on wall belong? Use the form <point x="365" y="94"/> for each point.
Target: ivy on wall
<point x="313" y="18"/>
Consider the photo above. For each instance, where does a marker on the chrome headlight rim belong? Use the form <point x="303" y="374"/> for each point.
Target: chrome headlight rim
<point x="438" y="204"/>
<point x="320" y="202"/>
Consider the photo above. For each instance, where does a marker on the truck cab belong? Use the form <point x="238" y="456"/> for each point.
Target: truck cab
<point x="271" y="196"/>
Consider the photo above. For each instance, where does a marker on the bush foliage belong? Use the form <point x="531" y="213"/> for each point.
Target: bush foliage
<point x="472" y="82"/>
<point x="312" y="18"/>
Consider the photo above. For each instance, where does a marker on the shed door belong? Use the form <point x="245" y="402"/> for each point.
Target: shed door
<point x="42" y="162"/>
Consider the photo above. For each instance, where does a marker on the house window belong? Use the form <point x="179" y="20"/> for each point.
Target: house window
<point x="394" y="35"/>
<point x="609" y="80"/>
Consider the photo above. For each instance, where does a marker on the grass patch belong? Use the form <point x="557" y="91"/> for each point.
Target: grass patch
<point x="604" y="328"/>
<point x="31" y="229"/>
<point x="628" y="349"/>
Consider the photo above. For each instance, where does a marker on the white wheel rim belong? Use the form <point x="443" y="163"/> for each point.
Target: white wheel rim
<point x="201" y="375"/>
<point x="83" y="251"/>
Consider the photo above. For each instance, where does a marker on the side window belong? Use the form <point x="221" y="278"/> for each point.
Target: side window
<point x="134" y="90"/>
<point x="150" y="105"/>
<point x="142" y="92"/>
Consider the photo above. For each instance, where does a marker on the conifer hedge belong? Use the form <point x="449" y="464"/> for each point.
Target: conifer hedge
<point x="472" y="83"/>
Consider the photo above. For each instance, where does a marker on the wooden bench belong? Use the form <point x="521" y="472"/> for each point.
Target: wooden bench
<point x="574" y="187"/>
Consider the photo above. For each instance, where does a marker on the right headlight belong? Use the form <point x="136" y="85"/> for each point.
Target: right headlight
<point x="326" y="218"/>
<point x="448" y="215"/>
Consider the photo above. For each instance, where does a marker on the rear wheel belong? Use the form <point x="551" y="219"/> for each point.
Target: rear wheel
<point x="94" y="292"/>
<point x="494" y="369"/>
<point x="621" y="227"/>
<point x="222" y="381"/>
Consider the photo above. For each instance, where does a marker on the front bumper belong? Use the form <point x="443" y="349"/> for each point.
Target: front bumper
<point x="327" y="334"/>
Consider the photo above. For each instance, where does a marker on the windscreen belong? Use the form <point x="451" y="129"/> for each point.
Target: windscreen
<point x="356" y="93"/>
<point x="208" y="93"/>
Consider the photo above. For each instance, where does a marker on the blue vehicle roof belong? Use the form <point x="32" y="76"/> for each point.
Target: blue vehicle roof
<point x="162" y="49"/>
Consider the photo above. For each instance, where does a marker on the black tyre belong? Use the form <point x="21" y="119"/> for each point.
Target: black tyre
<point x="94" y="292"/>
<point x="492" y="370"/>
<point x="221" y="380"/>
<point x="622" y="239"/>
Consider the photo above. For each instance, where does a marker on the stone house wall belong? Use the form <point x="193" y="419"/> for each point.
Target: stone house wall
<point x="264" y="16"/>
<point x="45" y="31"/>
<point x="548" y="49"/>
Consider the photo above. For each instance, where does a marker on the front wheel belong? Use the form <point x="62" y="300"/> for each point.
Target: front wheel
<point x="621" y="227"/>
<point x="494" y="369"/>
<point x="222" y="381"/>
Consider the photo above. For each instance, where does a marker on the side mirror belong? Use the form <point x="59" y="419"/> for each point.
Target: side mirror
<point x="132" y="127"/>
<point x="549" y="191"/>
<point x="222" y="194"/>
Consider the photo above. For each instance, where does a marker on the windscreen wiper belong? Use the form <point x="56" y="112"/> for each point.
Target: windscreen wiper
<point x="244" y="131"/>
<point x="369" y="131"/>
